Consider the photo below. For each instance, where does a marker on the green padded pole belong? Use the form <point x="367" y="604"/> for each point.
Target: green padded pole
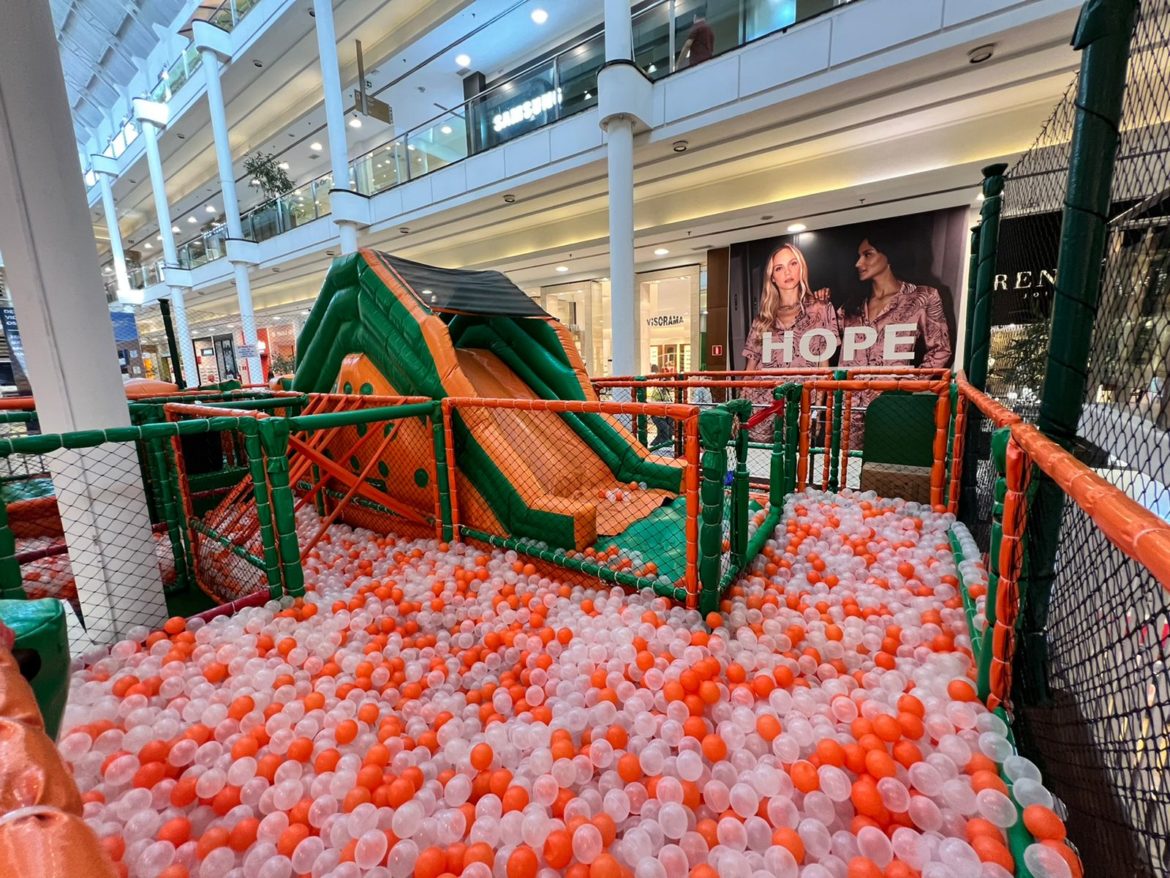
<point x="979" y="327"/>
<point x="274" y="435"/>
<point x="1103" y="36"/>
<point x="256" y="468"/>
<point x="442" y="482"/>
<point x="835" y="438"/>
<point x="972" y="272"/>
<point x="714" y="433"/>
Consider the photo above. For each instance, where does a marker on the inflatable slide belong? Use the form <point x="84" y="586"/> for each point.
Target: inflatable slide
<point x="388" y="326"/>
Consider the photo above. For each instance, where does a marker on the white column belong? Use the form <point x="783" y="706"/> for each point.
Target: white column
<point x="334" y="113"/>
<point x="151" y="117"/>
<point x="55" y="278"/>
<point x="105" y="174"/>
<point x="619" y="127"/>
<point x="214" y="44"/>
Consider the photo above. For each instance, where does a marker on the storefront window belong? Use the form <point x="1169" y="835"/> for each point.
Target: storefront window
<point x="584" y="308"/>
<point x="522" y="104"/>
<point x="670" y="319"/>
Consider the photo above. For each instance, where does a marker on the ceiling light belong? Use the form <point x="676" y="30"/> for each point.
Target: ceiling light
<point x="679" y="146"/>
<point x="283" y="166"/>
<point x="148" y="246"/>
<point x="256" y="62"/>
<point x="210" y="208"/>
<point x="192" y="220"/>
<point x="446" y="129"/>
<point x="797" y="227"/>
<point x="410" y="146"/>
<point x="176" y="229"/>
<point x="463" y="60"/>
<point x="561" y="269"/>
<point x="315" y="146"/>
<point x="661" y="251"/>
<point x="254" y="182"/>
<point x="588" y="95"/>
<point x="651" y="68"/>
<point x="158" y="237"/>
<point x="539" y="16"/>
<point x="355" y="122"/>
<point x="427" y="293"/>
<point x="509" y="198"/>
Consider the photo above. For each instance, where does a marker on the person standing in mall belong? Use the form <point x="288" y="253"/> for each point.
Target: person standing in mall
<point x="789" y="310"/>
<point x="663" y="426"/>
<point x="699" y="46"/>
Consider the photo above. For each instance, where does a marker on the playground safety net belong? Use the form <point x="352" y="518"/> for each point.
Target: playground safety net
<point x="1025" y="262"/>
<point x="1097" y="613"/>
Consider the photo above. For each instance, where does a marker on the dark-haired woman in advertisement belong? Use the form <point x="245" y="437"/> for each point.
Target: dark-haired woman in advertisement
<point x="896" y="323"/>
<point x="788" y="306"/>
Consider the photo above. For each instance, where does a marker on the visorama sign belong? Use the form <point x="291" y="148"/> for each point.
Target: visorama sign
<point x="819" y="345"/>
<point x="529" y="109"/>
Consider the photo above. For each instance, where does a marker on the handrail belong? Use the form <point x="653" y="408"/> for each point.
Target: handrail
<point x="1127" y="524"/>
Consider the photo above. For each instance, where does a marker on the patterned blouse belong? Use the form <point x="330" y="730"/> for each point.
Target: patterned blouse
<point x="815" y="315"/>
<point x="912" y="304"/>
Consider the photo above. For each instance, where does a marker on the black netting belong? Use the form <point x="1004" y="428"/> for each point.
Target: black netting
<point x="1026" y="255"/>
<point x="1127" y="405"/>
<point x="1103" y="737"/>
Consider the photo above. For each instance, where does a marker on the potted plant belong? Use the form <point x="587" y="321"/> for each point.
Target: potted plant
<point x="266" y="173"/>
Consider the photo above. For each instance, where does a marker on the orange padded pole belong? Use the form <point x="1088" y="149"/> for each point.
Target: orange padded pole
<point x="802" y="452"/>
<point x="938" y="470"/>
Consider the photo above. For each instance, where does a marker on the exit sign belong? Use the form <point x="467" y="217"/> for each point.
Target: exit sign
<point x="717" y="350"/>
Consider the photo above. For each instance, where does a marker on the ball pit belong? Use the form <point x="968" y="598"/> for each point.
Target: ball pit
<point x="434" y="710"/>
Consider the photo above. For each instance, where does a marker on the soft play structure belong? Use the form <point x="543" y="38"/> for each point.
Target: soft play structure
<point x="387" y="326"/>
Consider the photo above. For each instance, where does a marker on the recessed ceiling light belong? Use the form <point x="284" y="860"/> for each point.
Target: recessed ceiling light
<point x="651" y="69"/>
<point x="148" y="246"/>
<point x="462" y="60"/>
<point x="509" y="198"/>
<point x="427" y="293"/>
<point x="539" y="16"/>
<point x="283" y="166"/>
<point x="315" y="146"/>
<point x="561" y="269"/>
<point x="679" y="146"/>
<point x="256" y="62"/>
<point x="158" y="237"/>
<point x="661" y="251"/>
<point x="176" y="229"/>
<point x="210" y="208"/>
<point x="192" y="220"/>
<point x="355" y="122"/>
<point x="254" y="182"/>
<point x="446" y="129"/>
<point x="797" y="227"/>
<point x="588" y="96"/>
<point x="981" y="53"/>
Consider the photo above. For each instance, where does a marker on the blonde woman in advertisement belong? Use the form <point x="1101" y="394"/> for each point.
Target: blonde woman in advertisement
<point x="779" y="336"/>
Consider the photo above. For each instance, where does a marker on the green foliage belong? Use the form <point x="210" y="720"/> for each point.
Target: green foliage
<point x="270" y="176"/>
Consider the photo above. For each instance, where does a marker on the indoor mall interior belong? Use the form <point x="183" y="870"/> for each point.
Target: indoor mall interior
<point x="586" y="438"/>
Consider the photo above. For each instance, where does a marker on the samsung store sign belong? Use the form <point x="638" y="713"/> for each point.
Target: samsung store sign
<point x="525" y="110"/>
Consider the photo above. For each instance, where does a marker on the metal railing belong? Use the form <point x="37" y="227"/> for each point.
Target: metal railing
<point x="547" y="91"/>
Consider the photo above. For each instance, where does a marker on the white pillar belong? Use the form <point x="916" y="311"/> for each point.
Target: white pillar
<point x="55" y="278"/>
<point x="618" y="120"/>
<point x="151" y="117"/>
<point x="105" y="170"/>
<point x="334" y="113"/>
<point x="214" y="46"/>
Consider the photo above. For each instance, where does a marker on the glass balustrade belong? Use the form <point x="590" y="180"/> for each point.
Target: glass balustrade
<point x="668" y="37"/>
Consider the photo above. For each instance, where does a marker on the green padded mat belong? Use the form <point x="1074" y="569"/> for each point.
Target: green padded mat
<point x="665" y="528"/>
<point x="40" y="627"/>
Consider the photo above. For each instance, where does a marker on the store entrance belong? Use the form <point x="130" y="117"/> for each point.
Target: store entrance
<point x="669" y="311"/>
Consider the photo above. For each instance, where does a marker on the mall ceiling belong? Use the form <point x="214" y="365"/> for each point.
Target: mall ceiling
<point x="103" y="44"/>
